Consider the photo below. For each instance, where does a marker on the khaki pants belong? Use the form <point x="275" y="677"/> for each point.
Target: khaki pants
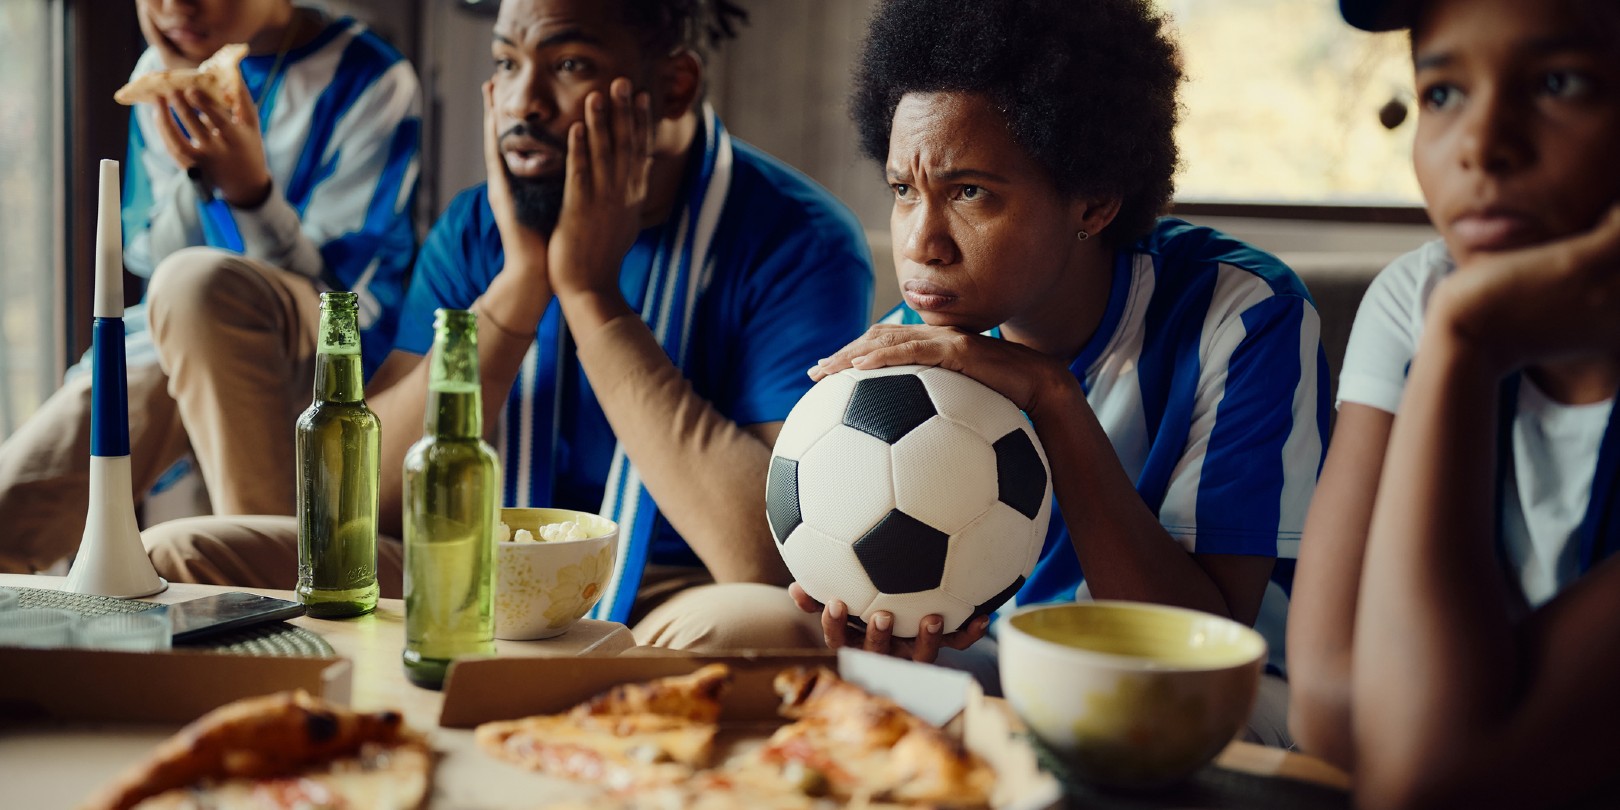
<point x="679" y="608"/>
<point x="236" y="342"/>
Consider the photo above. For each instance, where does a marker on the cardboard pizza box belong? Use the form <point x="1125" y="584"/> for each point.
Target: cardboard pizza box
<point x="173" y="687"/>
<point x="70" y="719"/>
<point x="480" y="691"/>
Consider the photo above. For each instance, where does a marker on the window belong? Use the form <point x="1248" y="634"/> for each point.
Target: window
<point x="29" y="249"/>
<point x="1283" y="105"/>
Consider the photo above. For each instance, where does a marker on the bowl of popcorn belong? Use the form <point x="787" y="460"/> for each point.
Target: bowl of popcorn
<point x="551" y="566"/>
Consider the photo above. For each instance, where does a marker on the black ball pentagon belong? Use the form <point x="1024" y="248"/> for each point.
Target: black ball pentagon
<point x="1020" y="475"/>
<point x="990" y="605"/>
<point x="782" y="497"/>
<point x="901" y="554"/>
<point x="888" y="407"/>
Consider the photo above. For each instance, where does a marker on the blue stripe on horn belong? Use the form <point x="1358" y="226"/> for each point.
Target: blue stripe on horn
<point x="109" y="390"/>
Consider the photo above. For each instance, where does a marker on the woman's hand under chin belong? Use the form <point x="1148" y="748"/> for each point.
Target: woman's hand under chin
<point x="1030" y="379"/>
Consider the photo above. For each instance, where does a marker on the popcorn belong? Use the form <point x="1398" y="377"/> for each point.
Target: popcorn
<point x="549" y="533"/>
<point x="566" y="530"/>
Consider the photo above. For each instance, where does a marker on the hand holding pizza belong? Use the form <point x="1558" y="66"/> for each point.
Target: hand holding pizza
<point x="222" y="143"/>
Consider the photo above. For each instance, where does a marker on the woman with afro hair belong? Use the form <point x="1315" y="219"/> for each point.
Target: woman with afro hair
<point x="1173" y="374"/>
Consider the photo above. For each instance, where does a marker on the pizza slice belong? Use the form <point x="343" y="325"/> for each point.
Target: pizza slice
<point x="858" y="746"/>
<point x="219" y="76"/>
<point x="633" y="735"/>
<point x="377" y="778"/>
<point x="262" y="741"/>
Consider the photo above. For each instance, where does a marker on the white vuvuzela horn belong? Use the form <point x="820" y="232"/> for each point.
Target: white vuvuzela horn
<point x="111" y="559"/>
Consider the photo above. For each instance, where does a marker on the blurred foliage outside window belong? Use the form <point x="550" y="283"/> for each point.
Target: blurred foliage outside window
<point x="27" y="210"/>
<point x="1282" y="105"/>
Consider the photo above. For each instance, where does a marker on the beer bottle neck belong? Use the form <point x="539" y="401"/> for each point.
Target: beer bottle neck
<point x="455" y="410"/>
<point x="338" y="377"/>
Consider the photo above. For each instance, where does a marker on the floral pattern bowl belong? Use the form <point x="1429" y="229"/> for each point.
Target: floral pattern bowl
<point x="1128" y="694"/>
<point x="542" y="588"/>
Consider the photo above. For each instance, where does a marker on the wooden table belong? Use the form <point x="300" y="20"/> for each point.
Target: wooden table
<point x="373" y="644"/>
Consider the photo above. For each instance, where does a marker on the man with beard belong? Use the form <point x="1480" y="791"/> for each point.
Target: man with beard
<point x="649" y="292"/>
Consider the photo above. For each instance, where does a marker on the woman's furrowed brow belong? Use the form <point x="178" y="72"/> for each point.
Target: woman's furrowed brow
<point x="958" y="175"/>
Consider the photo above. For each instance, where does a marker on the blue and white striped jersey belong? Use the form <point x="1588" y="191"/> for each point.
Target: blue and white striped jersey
<point x="1207" y="373"/>
<point x="341" y="117"/>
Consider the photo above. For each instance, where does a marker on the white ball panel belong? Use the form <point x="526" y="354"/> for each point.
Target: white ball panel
<point x="968" y="402"/>
<point x="989" y="555"/>
<point x="910" y="608"/>
<point x="946" y="475"/>
<point x="845" y="484"/>
<point x="818" y="411"/>
<point x="827" y="569"/>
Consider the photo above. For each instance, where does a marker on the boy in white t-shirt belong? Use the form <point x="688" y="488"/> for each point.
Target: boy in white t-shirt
<point x="1452" y="634"/>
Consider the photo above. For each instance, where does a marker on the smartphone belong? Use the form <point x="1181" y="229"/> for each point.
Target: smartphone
<point x="199" y="618"/>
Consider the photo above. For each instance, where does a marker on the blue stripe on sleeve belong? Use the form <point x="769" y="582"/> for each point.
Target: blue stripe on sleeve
<point x="386" y="237"/>
<point x="219" y="225"/>
<point x="1240" y="486"/>
<point x="1323" y="404"/>
<point x="1169" y="366"/>
<point x="361" y="65"/>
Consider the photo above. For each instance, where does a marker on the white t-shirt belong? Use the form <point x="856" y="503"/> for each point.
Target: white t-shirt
<point x="1555" y="446"/>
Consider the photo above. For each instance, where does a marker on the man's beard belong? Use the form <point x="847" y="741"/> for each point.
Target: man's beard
<point x="538" y="200"/>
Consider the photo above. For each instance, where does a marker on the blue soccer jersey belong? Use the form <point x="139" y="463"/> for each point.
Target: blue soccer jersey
<point x="1208" y="376"/>
<point x="341" y="120"/>
<point x="789" y="281"/>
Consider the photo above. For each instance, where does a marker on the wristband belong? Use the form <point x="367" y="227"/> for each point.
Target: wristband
<point x="483" y="312"/>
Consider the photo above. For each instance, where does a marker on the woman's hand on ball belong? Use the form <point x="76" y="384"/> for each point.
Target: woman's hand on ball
<point x="877" y="637"/>
<point x="1019" y="373"/>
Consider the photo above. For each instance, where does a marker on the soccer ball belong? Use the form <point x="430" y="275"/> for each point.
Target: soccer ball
<point x="910" y="489"/>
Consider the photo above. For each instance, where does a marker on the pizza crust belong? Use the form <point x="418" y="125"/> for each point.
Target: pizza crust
<point x="379" y="778"/>
<point x="219" y="77"/>
<point x="261" y="738"/>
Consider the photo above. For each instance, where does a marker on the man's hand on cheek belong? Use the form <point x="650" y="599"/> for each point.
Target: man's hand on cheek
<point x="524" y="247"/>
<point x="609" y="160"/>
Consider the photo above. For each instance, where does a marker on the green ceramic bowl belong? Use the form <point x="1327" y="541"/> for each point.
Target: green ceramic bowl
<point x="1130" y="694"/>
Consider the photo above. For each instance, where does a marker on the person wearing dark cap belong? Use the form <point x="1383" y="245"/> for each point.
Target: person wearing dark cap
<point x="1458" y="595"/>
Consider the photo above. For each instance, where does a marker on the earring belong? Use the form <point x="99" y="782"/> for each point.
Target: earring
<point x="1082" y="235"/>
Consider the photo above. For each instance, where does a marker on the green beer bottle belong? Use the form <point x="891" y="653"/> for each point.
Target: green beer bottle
<point x="338" y="467"/>
<point x="452" y="486"/>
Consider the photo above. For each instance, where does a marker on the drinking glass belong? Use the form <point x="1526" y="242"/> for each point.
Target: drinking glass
<point x="133" y="632"/>
<point x="37" y="627"/>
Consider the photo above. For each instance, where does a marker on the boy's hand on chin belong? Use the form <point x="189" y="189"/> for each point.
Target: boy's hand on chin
<point x="1553" y="301"/>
